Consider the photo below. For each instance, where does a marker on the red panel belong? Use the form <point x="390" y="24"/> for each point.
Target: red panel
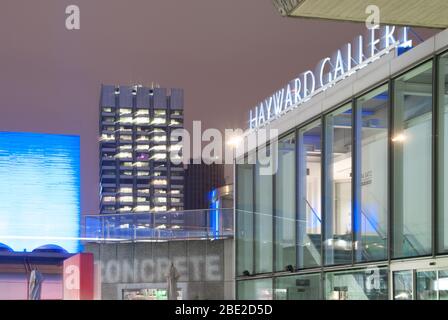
<point x="78" y="277"/>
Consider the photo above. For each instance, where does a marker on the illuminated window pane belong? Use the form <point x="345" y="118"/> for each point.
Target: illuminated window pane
<point x="412" y="142"/>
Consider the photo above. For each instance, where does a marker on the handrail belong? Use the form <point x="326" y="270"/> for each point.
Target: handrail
<point x="187" y="224"/>
<point x="313" y="211"/>
<point x="383" y="237"/>
<point x="378" y="231"/>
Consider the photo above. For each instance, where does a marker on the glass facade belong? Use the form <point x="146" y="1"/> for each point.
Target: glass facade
<point x="443" y="154"/>
<point x="263" y="218"/>
<point x="285" y="217"/>
<point x="364" y="182"/>
<point x="304" y="287"/>
<point x="366" y="284"/>
<point x="309" y="196"/>
<point x="372" y="176"/>
<point x="245" y="218"/>
<point x="412" y="148"/>
<point x="255" y="289"/>
<point x="338" y="187"/>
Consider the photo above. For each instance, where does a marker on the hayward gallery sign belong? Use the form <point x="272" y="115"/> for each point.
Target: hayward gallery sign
<point x="330" y="70"/>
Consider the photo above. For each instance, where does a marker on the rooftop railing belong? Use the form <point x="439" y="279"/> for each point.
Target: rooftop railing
<point x="159" y="226"/>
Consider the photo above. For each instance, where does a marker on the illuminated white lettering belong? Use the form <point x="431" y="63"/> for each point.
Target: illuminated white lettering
<point x="288" y="100"/>
<point x="297" y="89"/>
<point x="307" y="88"/>
<point x="278" y="102"/>
<point x="339" y="65"/>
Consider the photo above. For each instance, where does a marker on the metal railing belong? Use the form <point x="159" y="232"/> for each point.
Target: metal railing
<point x="159" y="226"/>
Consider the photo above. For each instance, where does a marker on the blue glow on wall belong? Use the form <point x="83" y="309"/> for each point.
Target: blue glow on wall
<point x="39" y="191"/>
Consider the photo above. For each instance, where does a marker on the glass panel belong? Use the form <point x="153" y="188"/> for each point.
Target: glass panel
<point x="285" y="227"/>
<point x="254" y="289"/>
<point x="403" y="286"/>
<point x="338" y="187"/>
<point x="368" y="284"/>
<point x="443" y="154"/>
<point x="412" y="142"/>
<point x="244" y="232"/>
<point x="442" y="285"/>
<point x="310" y="196"/>
<point x="370" y="227"/>
<point x="426" y="285"/>
<point x="263" y="218"/>
<point x="307" y="287"/>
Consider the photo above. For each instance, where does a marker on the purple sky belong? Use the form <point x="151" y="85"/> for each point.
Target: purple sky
<point x="226" y="54"/>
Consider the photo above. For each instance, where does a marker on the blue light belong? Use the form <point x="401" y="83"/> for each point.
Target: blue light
<point x="214" y="213"/>
<point x="405" y="47"/>
<point x="39" y="191"/>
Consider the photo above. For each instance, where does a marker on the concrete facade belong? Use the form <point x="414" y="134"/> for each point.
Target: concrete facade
<point x="206" y="268"/>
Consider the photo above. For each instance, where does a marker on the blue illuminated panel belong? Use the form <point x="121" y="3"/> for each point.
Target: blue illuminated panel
<point x="39" y="191"/>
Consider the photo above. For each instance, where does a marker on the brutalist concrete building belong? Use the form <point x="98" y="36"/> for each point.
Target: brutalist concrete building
<point x="136" y="174"/>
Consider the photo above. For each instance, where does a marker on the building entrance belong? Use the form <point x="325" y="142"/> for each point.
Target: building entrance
<point x="420" y="280"/>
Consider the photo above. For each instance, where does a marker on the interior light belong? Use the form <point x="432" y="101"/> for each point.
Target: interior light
<point x="399" y="138"/>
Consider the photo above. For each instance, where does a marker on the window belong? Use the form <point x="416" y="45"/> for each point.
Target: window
<point x="372" y="183"/>
<point x="159" y="156"/>
<point x="142" y="120"/>
<point x="125" y="190"/>
<point x="255" y="289"/>
<point x="426" y="285"/>
<point x="285" y="216"/>
<point x="124" y="129"/>
<point x="158" y="148"/>
<point x="366" y="284"/>
<point x="403" y="285"/>
<point x="126" y="199"/>
<point x="124" y="155"/>
<point x="159" y="138"/>
<point x="338" y="187"/>
<point x="142" y="208"/>
<point x="125" y="209"/>
<point x="175" y="122"/>
<point x="159" y="121"/>
<point x="310" y="196"/>
<point x="142" y="147"/>
<point x="124" y="111"/>
<point x="244" y="216"/>
<point x="306" y="287"/>
<point x="126" y="147"/>
<point x="125" y="120"/>
<point x="142" y="138"/>
<point x="443" y="155"/>
<point x="107" y="137"/>
<point x="412" y="145"/>
<point x="263" y="219"/>
<point x="142" y="112"/>
<point x="159" y="112"/>
<point x="125" y="138"/>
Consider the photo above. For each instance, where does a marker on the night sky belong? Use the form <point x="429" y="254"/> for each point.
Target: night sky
<point x="227" y="54"/>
